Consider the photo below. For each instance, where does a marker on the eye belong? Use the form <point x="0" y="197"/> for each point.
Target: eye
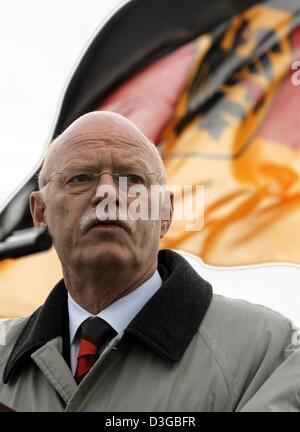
<point x="135" y="179"/>
<point x="79" y="178"/>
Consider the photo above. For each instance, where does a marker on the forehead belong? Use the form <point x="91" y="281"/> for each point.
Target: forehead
<point x="98" y="150"/>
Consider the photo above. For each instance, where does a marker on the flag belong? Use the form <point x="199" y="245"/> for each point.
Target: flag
<point x="211" y="85"/>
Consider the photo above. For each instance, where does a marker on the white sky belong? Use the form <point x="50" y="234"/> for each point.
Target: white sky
<point x="40" y="44"/>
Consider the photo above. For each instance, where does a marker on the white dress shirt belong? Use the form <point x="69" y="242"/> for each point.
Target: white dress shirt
<point x="118" y="314"/>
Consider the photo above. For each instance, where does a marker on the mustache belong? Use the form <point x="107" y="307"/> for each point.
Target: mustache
<point x="99" y="216"/>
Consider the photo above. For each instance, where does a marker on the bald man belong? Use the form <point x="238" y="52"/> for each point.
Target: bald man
<point x="129" y="327"/>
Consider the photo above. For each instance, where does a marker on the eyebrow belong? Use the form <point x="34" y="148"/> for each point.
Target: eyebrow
<point x="79" y="164"/>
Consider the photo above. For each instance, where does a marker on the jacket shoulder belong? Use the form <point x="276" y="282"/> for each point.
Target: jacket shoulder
<point x="10" y="330"/>
<point x="248" y="341"/>
<point x="245" y="319"/>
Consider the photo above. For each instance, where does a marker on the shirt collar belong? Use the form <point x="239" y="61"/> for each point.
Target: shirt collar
<point x="121" y="312"/>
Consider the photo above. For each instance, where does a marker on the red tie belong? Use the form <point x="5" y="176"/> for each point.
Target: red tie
<point x="94" y="335"/>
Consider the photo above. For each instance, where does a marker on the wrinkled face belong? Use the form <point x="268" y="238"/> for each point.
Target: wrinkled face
<point x="72" y="216"/>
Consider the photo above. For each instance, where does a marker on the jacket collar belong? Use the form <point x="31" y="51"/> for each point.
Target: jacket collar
<point x="166" y="323"/>
<point x="171" y="317"/>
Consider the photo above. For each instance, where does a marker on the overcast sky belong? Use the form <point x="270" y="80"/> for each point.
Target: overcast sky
<point x="40" y="44"/>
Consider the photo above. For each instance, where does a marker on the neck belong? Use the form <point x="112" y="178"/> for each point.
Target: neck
<point x="96" y="290"/>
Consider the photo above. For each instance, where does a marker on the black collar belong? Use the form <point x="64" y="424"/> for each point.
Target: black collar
<point x="166" y="323"/>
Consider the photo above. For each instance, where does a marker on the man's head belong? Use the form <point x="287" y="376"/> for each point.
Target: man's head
<point x="98" y="143"/>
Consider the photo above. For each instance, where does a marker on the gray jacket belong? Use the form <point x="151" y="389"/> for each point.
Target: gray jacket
<point x="187" y="350"/>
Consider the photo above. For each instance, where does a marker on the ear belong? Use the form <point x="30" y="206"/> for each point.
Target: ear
<point x="37" y="208"/>
<point x="167" y="211"/>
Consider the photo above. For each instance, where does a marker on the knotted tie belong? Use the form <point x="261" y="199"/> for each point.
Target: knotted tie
<point x="94" y="335"/>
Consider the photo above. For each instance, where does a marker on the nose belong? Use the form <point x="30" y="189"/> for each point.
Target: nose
<point x="106" y="189"/>
<point x="106" y="178"/>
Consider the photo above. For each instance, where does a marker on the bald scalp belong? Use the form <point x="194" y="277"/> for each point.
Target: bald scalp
<point x="100" y="124"/>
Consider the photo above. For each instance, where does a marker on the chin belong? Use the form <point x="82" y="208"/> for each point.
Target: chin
<point x="108" y="256"/>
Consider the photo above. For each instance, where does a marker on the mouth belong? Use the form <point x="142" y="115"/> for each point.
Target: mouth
<point x="106" y="224"/>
